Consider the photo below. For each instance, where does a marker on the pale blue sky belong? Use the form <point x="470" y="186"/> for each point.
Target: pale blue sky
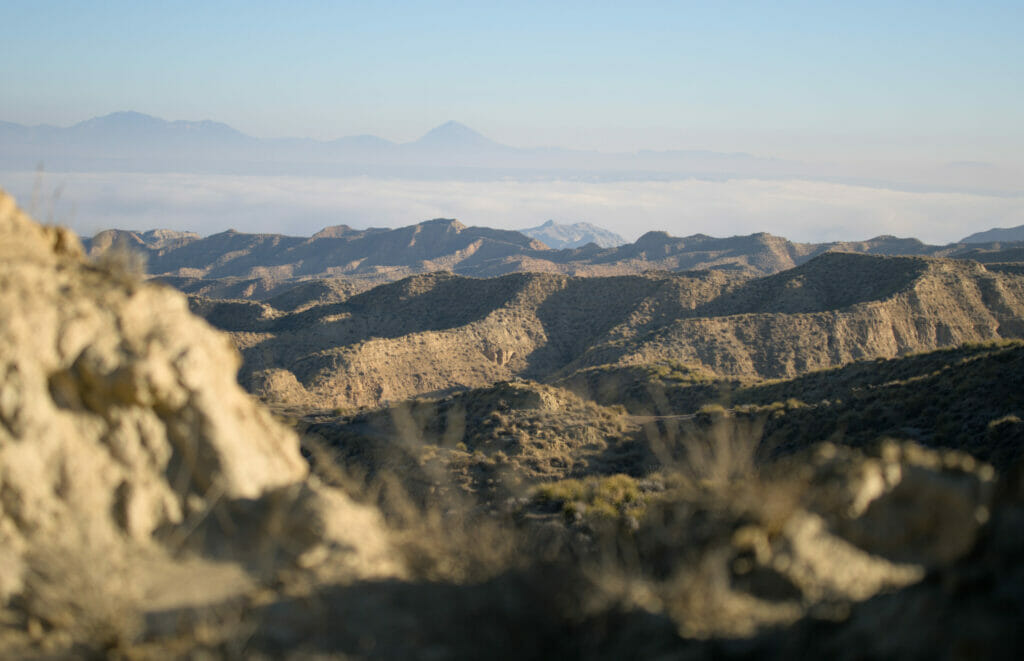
<point x="938" y="80"/>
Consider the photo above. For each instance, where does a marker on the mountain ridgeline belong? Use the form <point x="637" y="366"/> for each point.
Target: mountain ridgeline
<point x="135" y="142"/>
<point x="996" y="234"/>
<point x="269" y="262"/>
<point x="435" y="333"/>
<point x="132" y="142"/>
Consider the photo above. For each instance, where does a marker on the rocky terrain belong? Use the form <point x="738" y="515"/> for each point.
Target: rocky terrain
<point x="667" y="465"/>
<point x="742" y="526"/>
<point x="494" y="443"/>
<point x="254" y="266"/>
<point x="437" y="333"/>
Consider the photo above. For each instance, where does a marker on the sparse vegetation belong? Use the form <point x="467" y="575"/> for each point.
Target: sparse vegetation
<point x="594" y="497"/>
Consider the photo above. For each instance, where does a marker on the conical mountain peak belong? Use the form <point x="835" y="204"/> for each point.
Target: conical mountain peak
<point x="454" y="134"/>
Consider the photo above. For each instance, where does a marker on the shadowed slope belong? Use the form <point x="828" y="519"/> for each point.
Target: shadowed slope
<point x="438" y="332"/>
<point x="427" y="246"/>
<point x="379" y="254"/>
<point x="969" y="398"/>
<point x="947" y="303"/>
<point x="430" y="334"/>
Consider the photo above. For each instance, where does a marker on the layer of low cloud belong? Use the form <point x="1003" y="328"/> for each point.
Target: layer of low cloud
<point x="799" y="210"/>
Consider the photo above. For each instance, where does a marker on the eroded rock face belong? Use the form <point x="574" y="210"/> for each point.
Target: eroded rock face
<point x="120" y="418"/>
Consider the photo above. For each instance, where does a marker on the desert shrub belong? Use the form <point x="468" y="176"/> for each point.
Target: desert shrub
<point x="712" y="409"/>
<point x="594" y="497"/>
<point x="123" y="263"/>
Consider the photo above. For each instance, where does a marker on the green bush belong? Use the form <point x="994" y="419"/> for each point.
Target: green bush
<point x="598" y="497"/>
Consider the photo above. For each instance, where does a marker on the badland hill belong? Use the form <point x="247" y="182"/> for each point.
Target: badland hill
<point x="435" y="333"/>
<point x="259" y="266"/>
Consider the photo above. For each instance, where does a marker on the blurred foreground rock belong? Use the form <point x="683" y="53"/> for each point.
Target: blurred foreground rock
<point x="123" y="435"/>
<point x="970" y="608"/>
<point x="778" y="569"/>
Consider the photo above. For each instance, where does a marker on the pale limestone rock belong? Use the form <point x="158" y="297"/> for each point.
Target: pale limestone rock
<point x="910" y="504"/>
<point x="120" y="417"/>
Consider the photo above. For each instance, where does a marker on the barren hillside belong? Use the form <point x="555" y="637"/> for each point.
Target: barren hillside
<point x="254" y="265"/>
<point x="434" y="333"/>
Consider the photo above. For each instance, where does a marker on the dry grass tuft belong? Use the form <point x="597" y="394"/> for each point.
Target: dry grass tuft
<point x="122" y="263"/>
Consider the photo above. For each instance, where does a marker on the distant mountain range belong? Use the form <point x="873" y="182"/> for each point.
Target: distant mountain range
<point x="134" y="142"/>
<point x="207" y="264"/>
<point x="575" y="235"/>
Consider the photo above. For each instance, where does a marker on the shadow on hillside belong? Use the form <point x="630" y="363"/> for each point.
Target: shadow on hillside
<point x="587" y="310"/>
<point x="843" y="382"/>
<point x="831" y="281"/>
<point x="419" y="304"/>
<point x="577" y="315"/>
<point x="227" y="254"/>
<point x="574" y="312"/>
<point x="957" y="398"/>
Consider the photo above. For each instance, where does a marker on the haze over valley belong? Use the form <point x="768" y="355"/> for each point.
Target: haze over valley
<point x="135" y="171"/>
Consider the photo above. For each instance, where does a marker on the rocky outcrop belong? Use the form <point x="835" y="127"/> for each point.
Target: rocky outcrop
<point x="122" y="426"/>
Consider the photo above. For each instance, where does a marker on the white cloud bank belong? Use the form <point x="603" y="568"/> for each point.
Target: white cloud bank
<point x="796" y="209"/>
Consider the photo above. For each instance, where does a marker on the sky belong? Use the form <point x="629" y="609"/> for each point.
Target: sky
<point x="866" y="79"/>
<point x="886" y="85"/>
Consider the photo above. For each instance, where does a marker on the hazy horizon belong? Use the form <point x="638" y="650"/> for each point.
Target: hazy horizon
<point x="879" y="118"/>
<point x="301" y="206"/>
<point x="580" y="75"/>
<point x="959" y="149"/>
